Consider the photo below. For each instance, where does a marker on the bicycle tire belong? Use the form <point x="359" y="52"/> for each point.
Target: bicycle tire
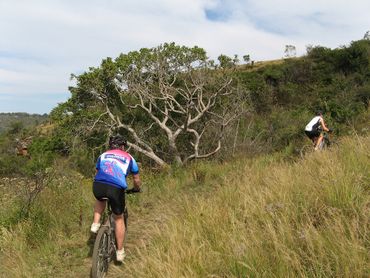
<point x="305" y="150"/>
<point x="125" y="219"/>
<point x="100" y="257"/>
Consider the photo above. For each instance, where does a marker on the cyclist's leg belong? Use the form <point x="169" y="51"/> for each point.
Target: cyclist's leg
<point x="314" y="141"/>
<point x="120" y="230"/>
<point x="98" y="210"/>
<point x="99" y="191"/>
<point x="319" y="140"/>
<point x="313" y="136"/>
<point x="308" y="134"/>
<point x="117" y="201"/>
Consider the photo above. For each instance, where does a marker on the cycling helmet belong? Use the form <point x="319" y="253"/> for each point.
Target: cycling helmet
<point x="319" y="112"/>
<point x="117" y="141"/>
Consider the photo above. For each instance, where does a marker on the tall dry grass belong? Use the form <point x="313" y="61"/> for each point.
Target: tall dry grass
<point x="52" y="240"/>
<point x="251" y="218"/>
<point x="266" y="218"/>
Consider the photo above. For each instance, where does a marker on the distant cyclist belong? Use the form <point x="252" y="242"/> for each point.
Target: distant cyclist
<point x="314" y="127"/>
<point x="112" y="168"/>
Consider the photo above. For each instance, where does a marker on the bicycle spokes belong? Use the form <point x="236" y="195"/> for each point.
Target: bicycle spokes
<point x="104" y="254"/>
<point x="101" y="253"/>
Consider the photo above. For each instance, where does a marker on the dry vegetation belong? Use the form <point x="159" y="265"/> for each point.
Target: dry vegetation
<point x="251" y="218"/>
<point x="267" y="218"/>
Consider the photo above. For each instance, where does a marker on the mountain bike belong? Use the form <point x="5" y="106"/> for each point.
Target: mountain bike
<point x="105" y="243"/>
<point x="325" y="143"/>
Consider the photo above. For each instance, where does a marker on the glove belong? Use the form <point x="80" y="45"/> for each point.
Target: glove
<point x="133" y="190"/>
<point x="330" y="130"/>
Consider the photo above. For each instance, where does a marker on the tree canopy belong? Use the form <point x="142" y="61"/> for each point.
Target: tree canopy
<point x="172" y="102"/>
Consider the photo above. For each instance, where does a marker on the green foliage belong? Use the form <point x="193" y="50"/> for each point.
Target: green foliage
<point x="272" y="74"/>
<point x="38" y="227"/>
<point x="259" y="94"/>
<point x="15" y="127"/>
<point x="362" y="95"/>
<point x="83" y="161"/>
<point x="10" y="122"/>
<point x="286" y="96"/>
<point x="10" y="213"/>
<point x="10" y="164"/>
<point x="226" y="61"/>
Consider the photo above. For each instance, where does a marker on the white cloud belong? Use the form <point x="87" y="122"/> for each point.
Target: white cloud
<point x="44" y="41"/>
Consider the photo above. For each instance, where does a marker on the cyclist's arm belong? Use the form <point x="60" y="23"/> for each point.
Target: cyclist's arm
<point x="135" y="174"/>
<point x="137" y="181"/>
<point x="324" y="127"/>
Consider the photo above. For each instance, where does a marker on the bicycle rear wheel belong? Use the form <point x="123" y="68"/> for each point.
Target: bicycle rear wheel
<point x="125" y="219"/>
<point x="305" y="150"/>
<point x="100" y="258"/>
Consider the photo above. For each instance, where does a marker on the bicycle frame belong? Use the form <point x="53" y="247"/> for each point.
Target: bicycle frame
<point x="110" y="224"/>
<point x="105" y="245"/>
<point x="325" y="141"/>
<point x="105" y="249"/>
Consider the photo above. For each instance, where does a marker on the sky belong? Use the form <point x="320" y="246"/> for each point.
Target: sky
<point x="43" y="42"/>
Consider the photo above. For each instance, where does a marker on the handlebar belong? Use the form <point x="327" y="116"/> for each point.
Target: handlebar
<point x="329" y="131"/>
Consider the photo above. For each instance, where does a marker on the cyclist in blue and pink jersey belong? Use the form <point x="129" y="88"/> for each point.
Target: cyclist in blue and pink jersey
<point x="112" y="168"/>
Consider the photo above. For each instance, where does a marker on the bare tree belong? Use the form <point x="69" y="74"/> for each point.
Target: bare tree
<point x="172" y="101"/>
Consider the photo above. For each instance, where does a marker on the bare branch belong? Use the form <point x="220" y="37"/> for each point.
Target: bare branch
<point x="194" y="156"/>
<point x="100" y="116"/>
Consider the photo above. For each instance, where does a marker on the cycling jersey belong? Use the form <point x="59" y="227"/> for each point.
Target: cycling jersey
<point x="113" y="167"/>
<point x="314" y="124"/>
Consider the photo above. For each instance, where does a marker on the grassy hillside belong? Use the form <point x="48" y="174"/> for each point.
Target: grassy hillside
<point x="261" y="217"/>
<point x="20" y="120"/>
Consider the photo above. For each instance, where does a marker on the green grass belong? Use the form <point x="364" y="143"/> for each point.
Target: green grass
<point x="266" y="217"/>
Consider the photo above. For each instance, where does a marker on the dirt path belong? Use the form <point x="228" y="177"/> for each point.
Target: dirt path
<point x="141" y="220"/>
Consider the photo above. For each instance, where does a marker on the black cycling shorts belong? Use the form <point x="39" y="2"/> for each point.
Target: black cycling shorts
<point x="115" y="195"/>
<point x="312" y="134"/>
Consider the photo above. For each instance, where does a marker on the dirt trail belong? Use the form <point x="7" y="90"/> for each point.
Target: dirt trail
<point x="141" y="221"/>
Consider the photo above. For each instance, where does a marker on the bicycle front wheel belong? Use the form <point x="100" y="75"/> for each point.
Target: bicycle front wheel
<point x="100" y="258"/>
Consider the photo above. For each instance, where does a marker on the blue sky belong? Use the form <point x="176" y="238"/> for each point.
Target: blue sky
<point x="42" y="42"/>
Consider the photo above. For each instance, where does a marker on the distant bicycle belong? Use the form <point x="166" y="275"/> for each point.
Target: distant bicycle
<point x="325" y="143"/>
<point x="105" y="243"/>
